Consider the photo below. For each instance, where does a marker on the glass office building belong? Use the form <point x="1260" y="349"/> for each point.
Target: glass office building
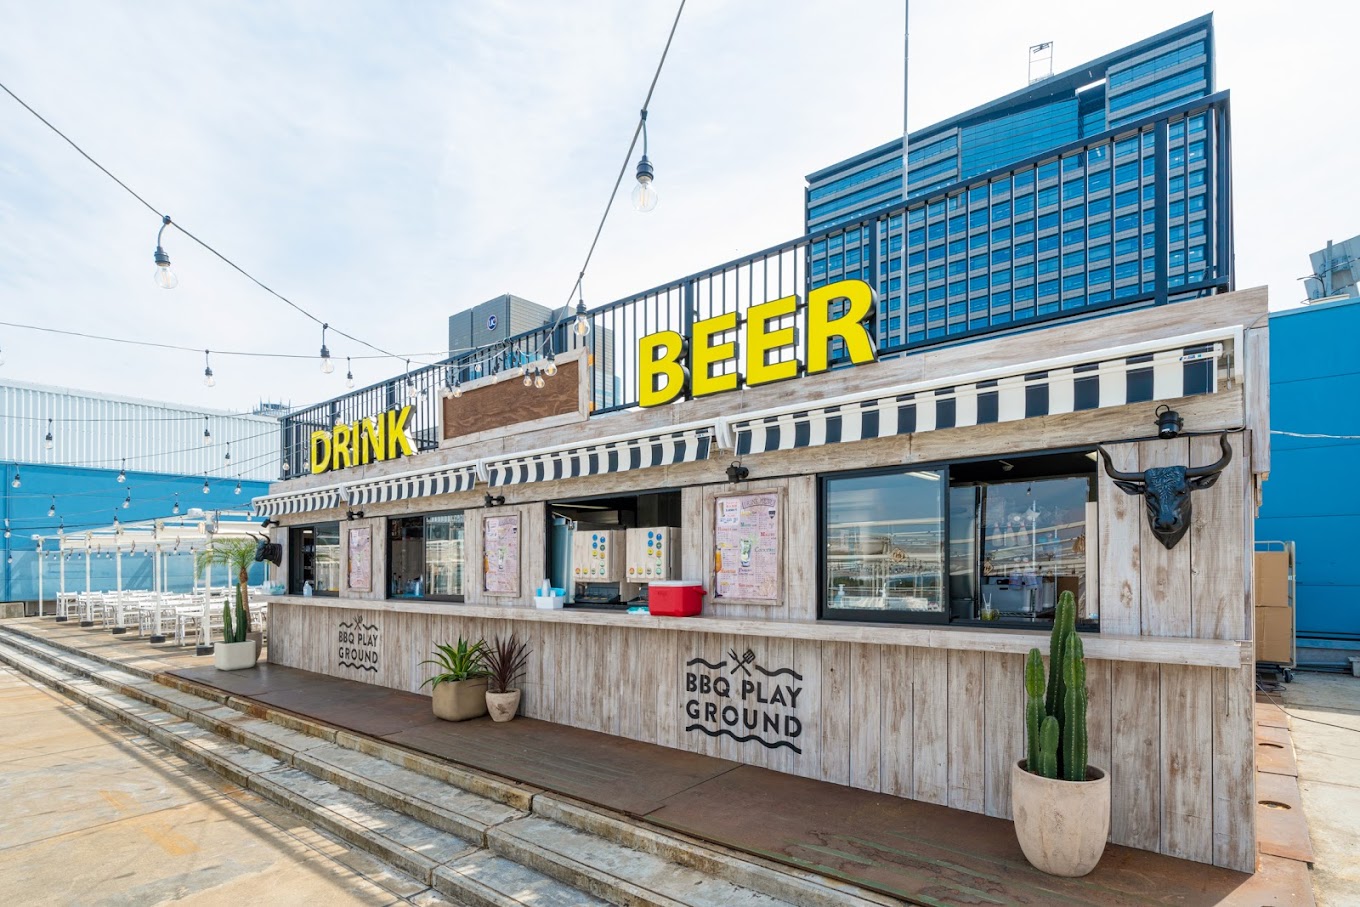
<point x="1105" y="185"/>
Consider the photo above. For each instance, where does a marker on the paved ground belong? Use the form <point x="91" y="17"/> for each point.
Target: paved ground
<point x="95" y="814"/>
<point x="1324" y="711"/>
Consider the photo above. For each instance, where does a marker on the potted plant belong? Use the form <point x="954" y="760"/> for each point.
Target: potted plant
<point x="506" y="660"/>
<point x="237" y="650"/>
<point x="459" y="689"/>
<point x="1061" y="805"/>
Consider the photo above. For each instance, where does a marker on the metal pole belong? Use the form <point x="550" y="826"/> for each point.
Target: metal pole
<point x="40" y="578"/>
<point x="906" y="42"/>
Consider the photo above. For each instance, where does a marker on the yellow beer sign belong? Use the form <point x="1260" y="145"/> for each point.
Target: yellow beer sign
<point x="664" y="373"/>
<point x="382" y="437"/>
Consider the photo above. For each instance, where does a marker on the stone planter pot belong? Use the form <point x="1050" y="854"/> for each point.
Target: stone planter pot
<point x="1062" y="825"/>
<point x="503" y="706"/>
<point x="459" y="700"/>
<point x="235" y="656"/>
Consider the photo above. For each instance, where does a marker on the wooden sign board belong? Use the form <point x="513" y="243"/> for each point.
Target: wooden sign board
<point x="489" y="406"/>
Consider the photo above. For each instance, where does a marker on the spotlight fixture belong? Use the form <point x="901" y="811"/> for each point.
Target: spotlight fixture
<point x="494" y="500"/>
<point x="644" y="193"/>
<point x="47" y="442"/>
<point x="208" y="379"/>
<point x="269" y="522"/>
<point x="737" y="473"/>
<point x="166" y="279"/>
<point x="352" y="515"/>
<point x="122" y="473"/>
<point x="326" y="365"/>
<point x="1169" y="422"/>
<point x="1006" y="465"/>
<point x="349" y="374"/>
<point x="207" y="435"/>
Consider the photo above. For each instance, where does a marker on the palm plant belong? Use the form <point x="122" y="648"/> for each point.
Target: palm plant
<point x="506" y="660"/>
<point x="236" y="554"/>
<point x="464" y="661"/>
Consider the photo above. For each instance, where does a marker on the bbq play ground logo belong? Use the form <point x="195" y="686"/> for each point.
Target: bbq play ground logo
<point x="739" y="698"/>
<point x="358" y="645"/>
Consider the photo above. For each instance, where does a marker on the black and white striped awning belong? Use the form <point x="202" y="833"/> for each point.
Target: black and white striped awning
<point x="297" y="502"/>
<point x="397" y="488"/>
<point x="598" y="459"/>
<point x="1163" y="375"/>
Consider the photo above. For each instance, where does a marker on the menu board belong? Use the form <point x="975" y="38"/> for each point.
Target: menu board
<point x="746" y="542"/>
<point x="500" y="554"/>
<point x="361" y="559"/>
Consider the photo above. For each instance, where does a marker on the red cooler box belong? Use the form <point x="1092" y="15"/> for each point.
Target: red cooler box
<point x="675" y="598"/>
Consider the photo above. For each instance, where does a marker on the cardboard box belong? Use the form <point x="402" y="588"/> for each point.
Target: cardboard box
<point x="1275" y="635"/>
<point x="1271" y="587"/>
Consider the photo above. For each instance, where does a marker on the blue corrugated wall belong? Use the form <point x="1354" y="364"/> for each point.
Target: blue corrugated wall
<point x="89" y="499"/>
<point x="1312" y="497"/>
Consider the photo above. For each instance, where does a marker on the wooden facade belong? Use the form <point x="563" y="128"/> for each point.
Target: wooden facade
<point x="927" y="712"/>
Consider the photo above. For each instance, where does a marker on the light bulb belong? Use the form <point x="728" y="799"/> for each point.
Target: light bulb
<point x="127" y="501"/>
<point x="645" y="195"/>
<point x="349" y="375"/>
<point x="327" y="366"/>
<point x="16" y="483"/>
<point x="175" y="510"/>
<point x="458" y="390"/>
<point x="166" y="279"/>
<point x="538" y="380"/>
<point x="208" y="379"/>
<point x="207" y="435"/>
<point x="205" y="486"/>
<point x="122" y="473"/>
<point x="47" y="442"/>
<point x="238" y="487"/>
<point x="528" y="380"/>
<point x="551" y="368"/>
<point x="52" y="509"/>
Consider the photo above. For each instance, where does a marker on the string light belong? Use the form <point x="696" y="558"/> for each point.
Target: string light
<point x="582" y="325"/>
<point x="410" y="383"/>
<point x="238" y="487"/>
<point x="52" y="508"/>
<point x="127" y="501"/>
<point x="457" y="387"/>
<point x="175" y="510"/>
<point x="207" y="435"/>
<point x="47" y="442"/>
<point x="349" y="374"/>
<point x="551" y="368"/>
<point x="166" y="279"/>
<point x="116" y="524"/>
<point x="528" y="379"/>
<point x="16" y="481"/>
<point x="208" y="379"/>
<point x="228" y="456"/>
<point x="644" y="193"/>
<point x="538" y="378"/>
<point x="122" y="473"/>
<point x="6" y="527"/>
<point x="61" y="530"/>
<point x="326" y="365"/>
<point x="205" y="485"/>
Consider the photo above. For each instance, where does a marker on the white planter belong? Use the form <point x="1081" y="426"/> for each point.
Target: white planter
<point x="235" y="656"/>
<point x="502" y="706"/>
<point x="1062" y="825"/>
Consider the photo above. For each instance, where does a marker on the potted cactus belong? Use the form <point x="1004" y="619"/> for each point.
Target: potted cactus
<point x="459" y="689"/>
<point x="237" y="650"/>
<point x="1061" y="805"/>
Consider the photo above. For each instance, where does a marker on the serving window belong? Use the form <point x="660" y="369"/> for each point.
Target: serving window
<point x="992" y="542"/>
<point x="314" y="558"/>
<point x="425" y="557"/>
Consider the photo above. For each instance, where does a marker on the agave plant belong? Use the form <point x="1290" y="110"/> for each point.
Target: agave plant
<point x="464" y="661"/>
<point x="236" y="554"/>
<point x="506" y="660"/>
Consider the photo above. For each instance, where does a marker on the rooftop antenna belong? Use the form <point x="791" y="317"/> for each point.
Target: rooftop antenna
<point x="1040" y="61"/>
<point x="906" y="44"/>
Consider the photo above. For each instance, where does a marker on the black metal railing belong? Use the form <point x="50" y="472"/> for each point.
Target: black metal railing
<point x="1135" y="216"/>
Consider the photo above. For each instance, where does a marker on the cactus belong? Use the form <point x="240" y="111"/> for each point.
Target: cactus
<point x="1048" y="748"/>
<point x="1074" y="725"/>
<point x="227" y="634"/>
<point x="1034" y="704"/>
<point x="1064" y="628"/>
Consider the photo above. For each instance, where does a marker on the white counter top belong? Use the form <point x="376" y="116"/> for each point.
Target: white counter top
<point x="1216" y="653"/>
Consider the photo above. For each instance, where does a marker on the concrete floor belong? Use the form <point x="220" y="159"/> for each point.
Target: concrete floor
<point x="1324" y="718"/>
<point x="95" y="814"/>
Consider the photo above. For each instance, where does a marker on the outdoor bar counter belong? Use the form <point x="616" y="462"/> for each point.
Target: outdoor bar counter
<point x="916" y="517"/>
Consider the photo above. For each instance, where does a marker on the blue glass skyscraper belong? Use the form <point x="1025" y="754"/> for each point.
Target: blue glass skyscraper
<point x="1104" y="185"/>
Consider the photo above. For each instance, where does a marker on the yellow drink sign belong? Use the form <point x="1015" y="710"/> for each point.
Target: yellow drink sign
<point x="666" y="369"/>
<point x="381" y="437"/>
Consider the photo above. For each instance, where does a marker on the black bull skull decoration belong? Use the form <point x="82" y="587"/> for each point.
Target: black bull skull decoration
<point x="266" y="550"/>
<point x="1166" y="491"/>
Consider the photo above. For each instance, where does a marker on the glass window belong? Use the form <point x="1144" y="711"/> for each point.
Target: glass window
<point x="884" y="545"/>
<point x="425" y="557"/>
<point x="314" y="558"/>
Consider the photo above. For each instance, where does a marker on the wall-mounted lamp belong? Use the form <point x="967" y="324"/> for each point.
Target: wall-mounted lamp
<point x="1169" y="422"/>
<point x="494" y="500"/>
<point x="268" y="522"/>
<point x="352" y="515"/>
<point x="737" y="473"/>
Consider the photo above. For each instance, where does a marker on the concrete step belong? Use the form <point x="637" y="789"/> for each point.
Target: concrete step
<point x="500" y="840"/>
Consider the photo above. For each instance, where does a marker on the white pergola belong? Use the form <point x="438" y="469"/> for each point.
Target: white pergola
<point x="156" y="538"/>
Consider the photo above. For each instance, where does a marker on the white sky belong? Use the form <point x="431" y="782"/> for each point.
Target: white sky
<point x="388" y="164"/>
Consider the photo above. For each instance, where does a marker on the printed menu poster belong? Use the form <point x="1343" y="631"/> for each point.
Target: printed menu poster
<point x="746" y="537"/>
<point x="500" y="554"/>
